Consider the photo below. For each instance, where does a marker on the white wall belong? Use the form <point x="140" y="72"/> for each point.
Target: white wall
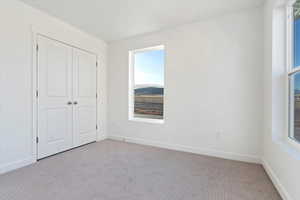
<point x="16" y="19"/>
<point x="214" y="82"/>
<point x="281" y="160"/>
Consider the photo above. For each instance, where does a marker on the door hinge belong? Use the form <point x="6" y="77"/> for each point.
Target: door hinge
<point x="37" y="93"/>
<point x="96" y="127"/>
<point x="37" y="47"/>
<point x="96" y="64"/>
<point x="37" y="139"/>
<point x="96" y="95"/>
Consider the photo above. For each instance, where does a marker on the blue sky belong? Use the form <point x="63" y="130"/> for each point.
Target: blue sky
<point x="297" y="52"/>
<point x="297" y="42"/>
<point x="149" y="67"/>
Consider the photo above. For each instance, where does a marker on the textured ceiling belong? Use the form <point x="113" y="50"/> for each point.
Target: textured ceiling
<point x="117" y="19"/>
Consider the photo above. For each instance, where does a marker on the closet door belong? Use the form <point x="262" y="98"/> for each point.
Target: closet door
<point x="54" y="97"/>
<point x="84" y="97"/>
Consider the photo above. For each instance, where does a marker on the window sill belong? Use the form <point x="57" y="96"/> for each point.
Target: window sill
<point x="150" y="121"/>
<point x="293" y="144"/>
<point x="289" y="146"/>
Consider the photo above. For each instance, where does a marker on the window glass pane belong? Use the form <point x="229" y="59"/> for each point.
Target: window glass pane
<point x="149" y="84"/>
<point x="295" y="106"/>
<point x="297" y="33"/>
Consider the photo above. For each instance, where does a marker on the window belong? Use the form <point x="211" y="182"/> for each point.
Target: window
<point x="146" y="84"/>
<point x="294" y="70"/>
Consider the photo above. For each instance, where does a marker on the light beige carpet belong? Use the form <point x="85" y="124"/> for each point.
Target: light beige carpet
<point x="112" y="170"/>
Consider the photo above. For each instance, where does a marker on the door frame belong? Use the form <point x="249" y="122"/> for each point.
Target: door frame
<point x="56" y="36"/>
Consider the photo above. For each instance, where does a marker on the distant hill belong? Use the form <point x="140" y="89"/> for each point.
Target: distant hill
<point x="149" y="91"/>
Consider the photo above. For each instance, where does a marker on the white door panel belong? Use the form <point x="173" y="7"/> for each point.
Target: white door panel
<point x="57" y="70"/>
<point x="67" y="84"/>
<point x="55" y="91"/>
<point x="84" y="94"/>
<point x="87" y="113"/>
<point x="86" y="74"/>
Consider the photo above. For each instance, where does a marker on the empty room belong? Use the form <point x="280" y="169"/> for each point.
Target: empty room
<point x="150" y="100"/>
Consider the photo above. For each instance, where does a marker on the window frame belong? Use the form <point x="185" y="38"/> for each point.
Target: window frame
<point x="291" y="70"/>
<point x="131" y="87"/>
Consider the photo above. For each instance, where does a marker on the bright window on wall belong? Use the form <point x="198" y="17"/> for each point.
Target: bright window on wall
<point x="146" y="84"/>
<point x="294" y="70"/>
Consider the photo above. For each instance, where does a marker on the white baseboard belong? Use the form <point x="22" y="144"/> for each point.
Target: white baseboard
<point x="101" y="137"/>
<point x="16" y="165"/>
<point x="22" y="163"/>
<point x="208" y="152"/>
<point x="280" y="188"/>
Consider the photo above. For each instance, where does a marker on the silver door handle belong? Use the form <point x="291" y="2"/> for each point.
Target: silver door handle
<point x="75" y="103"/>
<point x="69" y="103"/>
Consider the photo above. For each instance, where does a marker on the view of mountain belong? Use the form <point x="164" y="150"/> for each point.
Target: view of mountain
<point x="149" y="91"/>
<point x="297" y="91"/>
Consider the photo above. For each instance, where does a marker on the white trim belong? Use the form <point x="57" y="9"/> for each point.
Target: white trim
<point x="290" y="106"/>
<point x="48" y="33"/>
<point x="201" y="151"/>
<point x="293" y="143"/>
<point x="147" y="120"/>
<point x="16" y="165"/>
<point x="131" y="86"/>
<point x="34" y="85"/>
<point x="289" y="36"/>
<point x="157" y="47"/>
<point x="97" y="98"/>
<point x="294" y="71"/>
<point x="278" y="185"/>
<point x="101" y="138"/>
<point x="289" y="63"/>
